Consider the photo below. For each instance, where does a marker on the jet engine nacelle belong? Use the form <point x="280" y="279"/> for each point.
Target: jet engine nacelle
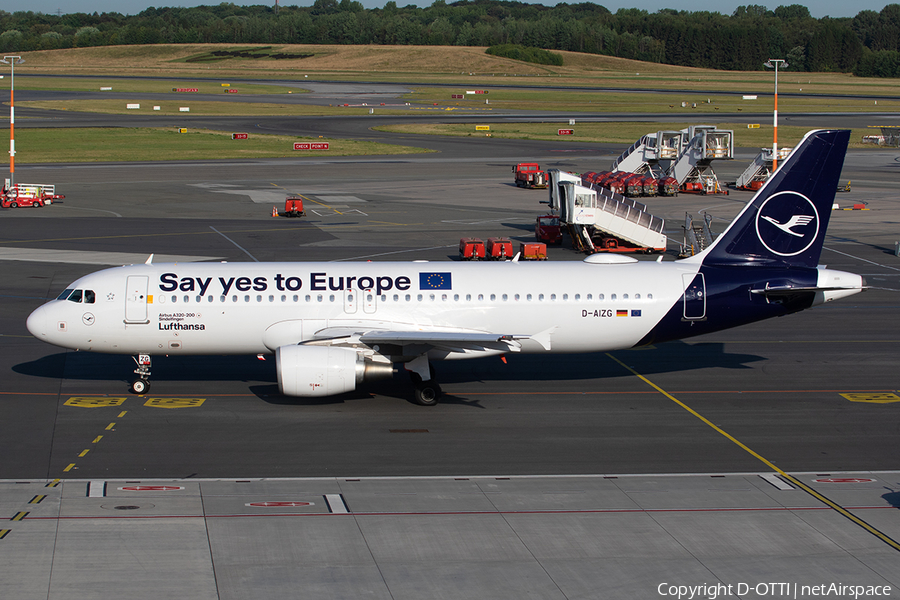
<point x="323" y="370"/>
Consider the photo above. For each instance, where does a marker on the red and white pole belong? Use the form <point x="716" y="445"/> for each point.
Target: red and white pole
<point x="12" y="61"/>
<point x="775" y="125"/>
<point x="773" y="62"/>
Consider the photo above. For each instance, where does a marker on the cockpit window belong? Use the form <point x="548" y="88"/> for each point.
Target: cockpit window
<point x="89" y="296"/>
<point x="76" y="296"/>
<point x="65" y="294"/>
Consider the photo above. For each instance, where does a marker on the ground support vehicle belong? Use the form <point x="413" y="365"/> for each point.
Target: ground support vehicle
<point x="547" y="229"/>
<point x="532" y="251"/>
<point x="293" y="206"/>
<point x="499" y="248"/>
<point x="28" y="194"/>
<point x="667" y="186"/>
<point x="529" y="175"/>
<point x="471" y="249"/>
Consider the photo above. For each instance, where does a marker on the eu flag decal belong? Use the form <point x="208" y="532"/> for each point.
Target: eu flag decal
<point x="434" y="281"/>
<point x="635" y="312"/>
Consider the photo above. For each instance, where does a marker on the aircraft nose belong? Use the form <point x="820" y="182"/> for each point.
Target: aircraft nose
<point x="37" y="323"/>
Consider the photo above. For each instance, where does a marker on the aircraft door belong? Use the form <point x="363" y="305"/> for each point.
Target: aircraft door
<point x="136" y="299"/>
<point x="694" y="297"/>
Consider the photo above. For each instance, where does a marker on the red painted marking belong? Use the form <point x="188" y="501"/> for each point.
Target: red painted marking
<point x="844" y="480"/>
<point x="152" y="488"/>
<point x="279" y="504"/>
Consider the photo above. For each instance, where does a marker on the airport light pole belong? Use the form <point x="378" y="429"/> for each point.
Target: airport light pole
<point x="12" y="61"/>
<point x="773" y="63"/>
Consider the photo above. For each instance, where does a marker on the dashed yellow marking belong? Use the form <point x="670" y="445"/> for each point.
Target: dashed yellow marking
<point x="97" y="439"/>
<point x="19" y="516"/>
<point x="174" y="402"/>
<point x="69" y="468"/>
<point x="4" y="533"/>
<point x="93" y="401"/>
<point x="110" y="426"/>
<point x="53" y="483"/>
<point x="122" y="414"/>
<point x="873" y="397"/>
<point x="37" y="499"/>
<point x="83" y="453"/>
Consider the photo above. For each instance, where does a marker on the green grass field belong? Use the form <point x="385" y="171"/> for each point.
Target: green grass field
<point x="145" y="86"/>
<point x="644" y="102"/>
<point x="470" y="68"/>
<point x="610" y="132"/>
<point x="152" y="144"/>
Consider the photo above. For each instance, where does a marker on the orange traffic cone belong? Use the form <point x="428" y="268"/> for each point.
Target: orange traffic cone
<point x="274" y="211"/>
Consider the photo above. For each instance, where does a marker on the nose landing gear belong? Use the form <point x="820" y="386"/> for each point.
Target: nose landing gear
<point x="141" y="385"/>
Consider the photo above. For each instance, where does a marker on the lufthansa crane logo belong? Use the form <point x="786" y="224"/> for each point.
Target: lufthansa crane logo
<point x="787" y="223"/>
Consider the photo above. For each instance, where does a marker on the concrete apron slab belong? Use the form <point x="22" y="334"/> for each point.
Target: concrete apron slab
<point x="461" y="537"/>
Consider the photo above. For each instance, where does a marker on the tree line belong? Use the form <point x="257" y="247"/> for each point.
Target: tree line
<point x="866" y="45"/>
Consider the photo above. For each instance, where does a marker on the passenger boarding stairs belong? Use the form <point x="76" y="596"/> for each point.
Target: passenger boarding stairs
<point x="702" y="144"/>
<point x="588" y="212"/>
<point x="697" y="238"/>
<point x="759" y="170"/>
<point x="644" y="155"/>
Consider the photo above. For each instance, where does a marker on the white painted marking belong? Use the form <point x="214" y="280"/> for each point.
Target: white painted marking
<point x="93" y="258"/>
<point x="776" y="481"/>
<point x="336" y="503"/>
<point x="862" y="259"/>
<point x="96" y="489"/>
<point x="329" y="199"/>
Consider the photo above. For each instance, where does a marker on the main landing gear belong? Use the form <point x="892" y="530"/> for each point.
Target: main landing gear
<point x="141" y="385"/>
<point x="427" y="391"/>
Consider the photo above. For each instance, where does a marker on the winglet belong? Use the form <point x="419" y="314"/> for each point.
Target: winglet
<point x="149" y="260"/>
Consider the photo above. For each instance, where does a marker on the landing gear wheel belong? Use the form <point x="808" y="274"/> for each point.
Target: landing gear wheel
<point x="140" y="386"/>
<point x="427" y="393"/>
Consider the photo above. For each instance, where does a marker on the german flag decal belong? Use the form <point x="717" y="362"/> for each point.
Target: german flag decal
<point x="621" y="313"/>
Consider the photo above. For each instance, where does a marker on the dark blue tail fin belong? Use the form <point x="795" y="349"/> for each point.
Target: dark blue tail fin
<point x="785" y="222"/>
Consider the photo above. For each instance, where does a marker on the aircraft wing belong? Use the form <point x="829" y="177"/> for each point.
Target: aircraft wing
<point x="451" y="341"/>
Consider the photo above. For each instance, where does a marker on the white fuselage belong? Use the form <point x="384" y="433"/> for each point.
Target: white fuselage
<point x="252" y="308"/>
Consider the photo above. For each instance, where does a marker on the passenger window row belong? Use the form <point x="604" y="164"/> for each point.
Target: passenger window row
<point x="396" y="298"/>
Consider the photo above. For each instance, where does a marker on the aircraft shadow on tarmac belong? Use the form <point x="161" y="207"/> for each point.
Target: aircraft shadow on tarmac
<point x="259" y="377"/>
